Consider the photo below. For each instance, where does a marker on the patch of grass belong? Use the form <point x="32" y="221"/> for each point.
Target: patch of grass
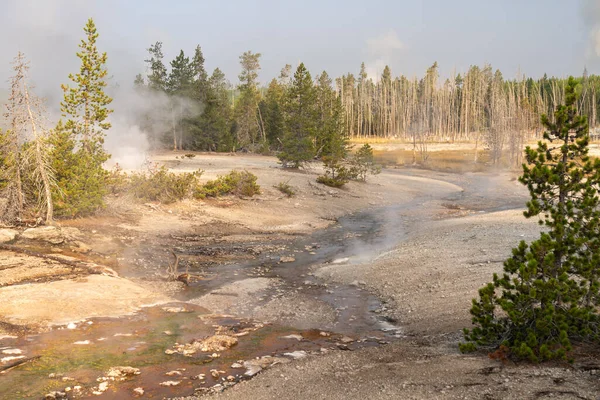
<point x="286" y="189"/>
<point x="238" y="183"/>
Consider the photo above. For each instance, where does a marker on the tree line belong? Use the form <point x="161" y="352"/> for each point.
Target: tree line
<point x="296" y="115"/>
<point x="479" y="105"/>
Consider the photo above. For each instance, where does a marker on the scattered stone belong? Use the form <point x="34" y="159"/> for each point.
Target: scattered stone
<point x="230" y="378"/>
<point x="211" y="344"/>
<point x="236" y="366"/>
<point x="170" y="383"/>
<point x="12" y="351"/>
<point x="72" y="325"/>
<point x="218" y="343"/>
<point x="286" y="259"/>
<point x="122" y="334"/>
<point x="296" y="355"/>
<point x="216" y="373"/>
<point x="346" y="339"/>
<point x="198" y="377"/>
<point x="168" y="333"/>
<point x="82" y="342"/>
<point x="122" y="373"/>
<point x="252" y="370"/>
<point x="293" y="336"/>
<point x="67" y="379"/>
<point x="8" y="235"/>
<point x="55" y="396"/>
<point x="175" y="309"/>
<point x="138" y="391"/>
<point x="325" y="334"/>
<point x="4" y="360"/>
<point x="102" y="387"/>
<point x="342" y="346"/>
<point x="173" y="373"/>
<point x="340" y="260"/>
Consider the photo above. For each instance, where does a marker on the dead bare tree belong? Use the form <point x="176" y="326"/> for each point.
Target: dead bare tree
<point x="11" y="150"/>
<point x="27" y="115"/>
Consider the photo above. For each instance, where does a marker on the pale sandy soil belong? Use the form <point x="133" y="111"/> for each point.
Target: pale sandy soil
<point x="64" y="301"/>
<point x="429" y="280"/>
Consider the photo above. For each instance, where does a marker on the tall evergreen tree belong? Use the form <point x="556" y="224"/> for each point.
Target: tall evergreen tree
<point x="180" y="86"/>
<point x="213" y="130"/>
<point x="248" y="123"/>
<point x="301" y="121"/>
<point x="157" y="78"/>
<point x="549" y="292"/>
<point x="81" y="179"/>
<point x="272" y="114"/>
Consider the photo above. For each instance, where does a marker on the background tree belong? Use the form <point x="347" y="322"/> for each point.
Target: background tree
<point x="248" y="124"/>
<point x="215" y="128"/>
<point x="301" y="121"/>
<point x="180" y="86"/>
<point x="549" y="292"/>
<point x="157" y="78"/>
<point x="272" y="113"/>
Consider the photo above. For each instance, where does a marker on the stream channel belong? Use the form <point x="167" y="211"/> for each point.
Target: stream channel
<point x="81" y="356"/>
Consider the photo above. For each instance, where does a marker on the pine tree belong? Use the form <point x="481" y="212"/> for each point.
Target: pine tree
<point x="549" y="291"/>
<point x="272" y="113"/>
<point x="248" y="124"/>
<point x="81" y="178"/>
<point x="301" y="127"/>
<point x="213" y="132"/>
<point x="157" y="79"/>
<point x="180" y="87"/>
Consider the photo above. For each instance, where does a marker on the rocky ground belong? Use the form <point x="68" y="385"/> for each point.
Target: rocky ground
<point x="436" y="237"/>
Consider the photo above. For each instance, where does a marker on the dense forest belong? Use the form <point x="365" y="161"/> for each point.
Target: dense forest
<point x="479" y="105"/>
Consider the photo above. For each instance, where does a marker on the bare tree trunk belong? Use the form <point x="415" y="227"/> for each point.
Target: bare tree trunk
<point x="39" y="158"/>
<point x="174" y="130"/>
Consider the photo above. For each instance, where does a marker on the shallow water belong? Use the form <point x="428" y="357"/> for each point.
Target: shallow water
<point x="448" y="160"/>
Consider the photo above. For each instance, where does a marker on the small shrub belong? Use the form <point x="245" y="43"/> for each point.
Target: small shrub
<point x="237" y="183"/>
<point x="162" y="185"/>
<point x="190" y="155"/>
<point x="362" y="163"/>
<point x="336" y="182"/>
<point x="336" y="174"/>
<point x="286" y="189"/>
